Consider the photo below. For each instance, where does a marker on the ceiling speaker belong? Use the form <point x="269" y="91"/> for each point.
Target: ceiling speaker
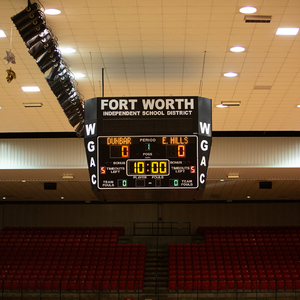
<point x="50" y="186"/>
<point x="265" y="185"/>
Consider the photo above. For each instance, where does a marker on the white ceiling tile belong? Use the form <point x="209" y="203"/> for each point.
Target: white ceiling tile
<point x="149" y="3"/>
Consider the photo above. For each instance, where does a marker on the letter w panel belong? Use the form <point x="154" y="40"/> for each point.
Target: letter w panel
<point x="205" y="137"/>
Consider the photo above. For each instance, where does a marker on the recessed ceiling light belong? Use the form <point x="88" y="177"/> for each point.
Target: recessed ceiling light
<point x="62" y="198"/>
<point x="2" y="33"/>
<point x="221" y="106"/>
<point x="23" y="180"/>
<point x="237" y="49"/>
<point x="287" y="31"/>
<point x="248" y="197"/>
<point x="67" y="50"/>
<point x="222" y="179"/>
<point x="248" y="10"/>
<point x="78" y="75"/>
<point x="230" y="74"/>
<point x="52" y="11"/>
<point x="3" y="198"/>
<point x="30" y="89"/>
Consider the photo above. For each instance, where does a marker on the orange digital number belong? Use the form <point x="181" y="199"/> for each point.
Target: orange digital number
<point x="125" y="151"/>
<point x="181" y="150"/>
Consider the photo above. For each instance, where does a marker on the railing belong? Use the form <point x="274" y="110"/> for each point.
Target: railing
<point x="40" y="287"/>
<point x="135" y="288"/>
<point x="224" y="286"/>
<point x="162" y="229"/>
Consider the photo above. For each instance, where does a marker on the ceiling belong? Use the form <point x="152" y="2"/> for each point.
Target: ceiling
<point x="162" y="48"/>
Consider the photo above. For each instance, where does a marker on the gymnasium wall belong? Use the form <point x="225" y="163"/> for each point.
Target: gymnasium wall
<point x="227" y="214"/>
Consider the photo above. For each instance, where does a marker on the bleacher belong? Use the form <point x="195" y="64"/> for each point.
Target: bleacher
<point x="237" y="258"/>
<point x="69" y="259"/>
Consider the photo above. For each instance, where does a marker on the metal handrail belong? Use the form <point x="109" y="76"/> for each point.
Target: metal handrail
<point x="162" y="228"/>
<point x="197" y="286"/>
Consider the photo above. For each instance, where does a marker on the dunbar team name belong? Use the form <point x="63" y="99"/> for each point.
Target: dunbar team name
<point x="147" y="104"/>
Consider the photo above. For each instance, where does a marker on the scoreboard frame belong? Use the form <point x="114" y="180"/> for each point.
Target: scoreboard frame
<point x="172" y="164"/>
<point x="148" y="116"/>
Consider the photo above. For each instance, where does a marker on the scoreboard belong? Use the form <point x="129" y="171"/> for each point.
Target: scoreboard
<point x="137" y="143"/>
<point x="148" y="161"/>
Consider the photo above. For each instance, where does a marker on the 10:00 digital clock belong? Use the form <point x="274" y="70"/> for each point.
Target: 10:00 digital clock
<point x="147" y="167"/>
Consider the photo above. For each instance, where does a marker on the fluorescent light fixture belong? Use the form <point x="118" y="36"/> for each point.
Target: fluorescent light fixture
<point x="2" y="33"/>
<point x="30" y="89"/>
<point x="287" y="31"/>
<point x="32" y="104"/>
<point x="221" y="106"/>
<point x="52" y="11"/>
<point x="68" y="176"/>
<point x="233" y="176"/>
<point x="231" y="103"/>
<point x="237" y="49"/>
<point x="248" y="10"/>
<point x="257" y="19"/>
<point x="67" y="50"/>
<point x="230" y="74"/>
<point x="78" y="75"/>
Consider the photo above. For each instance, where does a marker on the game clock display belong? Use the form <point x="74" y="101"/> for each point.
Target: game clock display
<point x="137" y="162"/>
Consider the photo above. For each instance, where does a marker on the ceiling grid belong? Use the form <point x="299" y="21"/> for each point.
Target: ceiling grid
<point x="156" y="48"/>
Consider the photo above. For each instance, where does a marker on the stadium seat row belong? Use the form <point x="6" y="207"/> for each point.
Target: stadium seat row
<point x="244" y="285"/>
<point x="72" y="285"/>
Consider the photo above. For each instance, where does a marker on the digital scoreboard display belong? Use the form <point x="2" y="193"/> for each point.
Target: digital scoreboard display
<point x="147" y="143"/>
<point x="160" y="161"/>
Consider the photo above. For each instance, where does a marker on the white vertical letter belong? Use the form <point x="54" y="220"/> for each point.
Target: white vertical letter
<point x="204" y="145"/>
<point x="202" y="178"/>
<point x="90" y="129"/>
<point x="205" y="127"/>
<point x="91" y="146"/>
<point x="203" y="161"/>
<point x="93" y="179"/>
<point x="92" y="163"/>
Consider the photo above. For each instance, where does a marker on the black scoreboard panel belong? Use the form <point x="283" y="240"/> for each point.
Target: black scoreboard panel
<point x="148" y="161"/>
<point x="148" y="148"/>
<point x="143" y="126"/>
